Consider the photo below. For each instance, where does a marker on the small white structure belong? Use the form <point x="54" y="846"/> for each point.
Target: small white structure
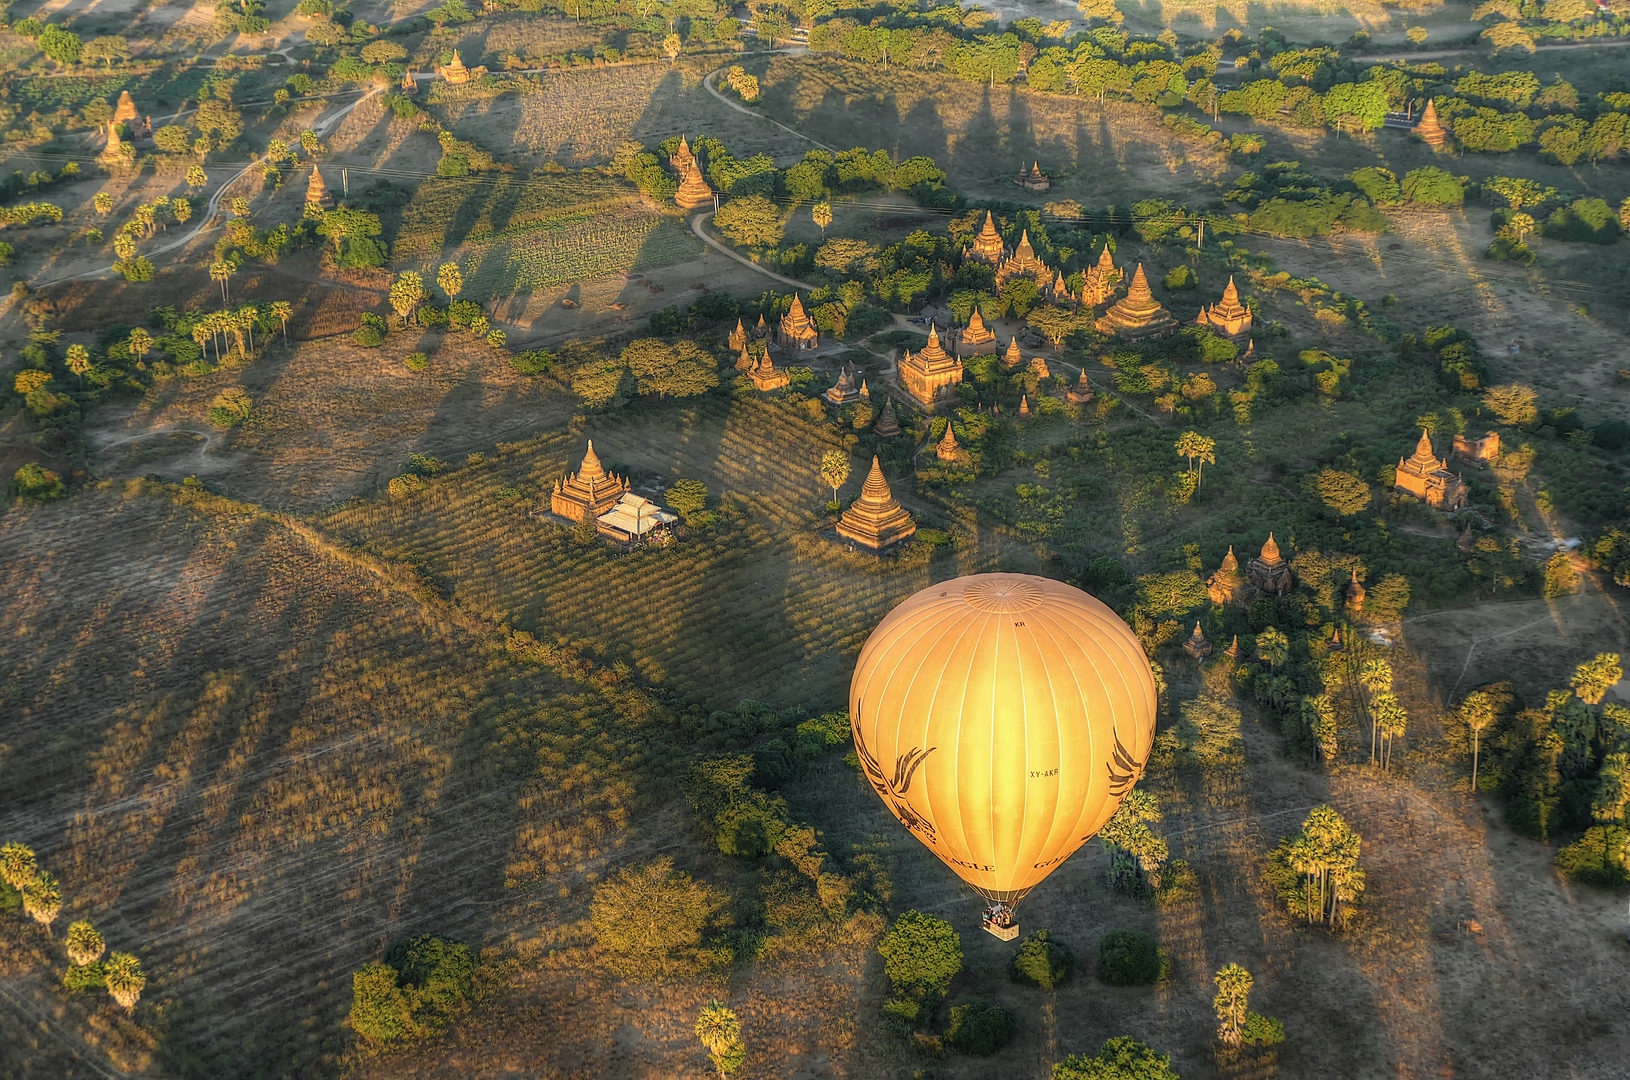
<point x="632" y="518"/>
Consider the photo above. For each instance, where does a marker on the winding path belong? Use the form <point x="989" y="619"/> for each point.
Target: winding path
<point x="731" y="253"/>
<point x="739" y="107"/>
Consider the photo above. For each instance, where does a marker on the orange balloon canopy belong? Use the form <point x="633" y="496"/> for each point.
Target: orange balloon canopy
<point x="1002" y="718"/>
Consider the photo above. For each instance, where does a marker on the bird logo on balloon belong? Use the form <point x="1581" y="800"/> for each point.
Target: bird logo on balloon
<point x="1124" y="770"/>
<point x="893" y="788"/>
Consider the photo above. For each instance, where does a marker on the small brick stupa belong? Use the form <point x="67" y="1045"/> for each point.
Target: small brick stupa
<point x="1429" y="130"/>
<point x="455" y="72"/>
<point x="876" y="520"/>
<point x="125" y="112"/>
<point x="589" y="492"/>
<point x="1197" y="646"/>
<point x="888" y="424"/>
<point x="113" y="153"/>
<point x="987" y="246"/>
<point x="1033" y="179"/>
<point x="744" y="359"/>
<point x="1228" y="317"/>
<point x="947" y="449"/>
<point x="1013" y="359"/>
<point x="1138" y="314"/>
<point x="738" y="336"/>
<point x="317" y="191"/>
<point x="1355" y="596"/>
<point x="1081" y="392"/>
<point x="843" y="392"/>
<point x="766" y="376"/>
<point x="693" y="190"/>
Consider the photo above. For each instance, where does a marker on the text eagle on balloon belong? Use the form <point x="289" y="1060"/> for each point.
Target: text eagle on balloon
<point x="893" y="789"/>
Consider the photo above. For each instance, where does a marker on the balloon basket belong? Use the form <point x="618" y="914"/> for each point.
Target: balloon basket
<point x="998" y="921"/>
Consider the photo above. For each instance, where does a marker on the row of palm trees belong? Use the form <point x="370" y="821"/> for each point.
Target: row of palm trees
<point x="238" y="324"/>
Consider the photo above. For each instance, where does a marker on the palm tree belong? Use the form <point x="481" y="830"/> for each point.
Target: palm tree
<point x="720" y="1033"/>
<point x="124" y="979"/>
<point x="1478" y="712"/>
<point x="1194" y="446"/>
<point x="79" y="361"/>
<point x="84" y="943"/>
<point x="17" y="865"/>
<point x="1273" y="647"/>
<point x="139" y="342"/>
<point x="1375" y="677"/>
<point x="42" y="899"/>
<point x="834" y="470"/>
<point x="1232" y="1003"/>
<point x="450" y="278"/>
<point x="1392" y="719"/>
<point x="822" y="213"/>
<point x="201" y="334"/>
<point x="221" y="270"/>
<point x="283" y="309"/>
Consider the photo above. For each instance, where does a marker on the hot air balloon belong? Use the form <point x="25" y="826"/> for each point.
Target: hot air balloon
<point x="1002" y="718"/>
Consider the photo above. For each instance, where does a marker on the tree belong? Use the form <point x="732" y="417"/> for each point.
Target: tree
<point x="197" y="177"/>
<point x="103" y="202"/>
<point x="1171" y="593"/>
<point x="688" y="497"/>
<point x="1197" y="447"/>
<point x="720" y="1034"/>
<point x="407" y="293"/>
<point x="1136" y="854"/>
<point x="1595" y="677"/>
<point x="282" y="309"/>
<point x="751" y="221"/>
<point x="18" y="866"/>
<point x="672" y="46"/>
<point x="1375" y="677"/>
<point x="1232" y="1003"/>
<point x="1103" y="11"/>
<point x="1342" y="492"/>
<point x="1432" y="186"/>
<point x="379" y="1009"/>
<point x="84" y="943"/>
<point x="1391" y="719"/>
<point x="106" y="49"/>
<point x="124" y="979"/>
<point x="670" y="369"/>
<point x="834" y="470"/>
<point x="1512" y="403"/>
<point x="1518" y="191"/>
<point x="60" y="45"/>
<point x="921" y="954"/>
<point x="650" y="918"/>
<point x="1273" y="647"/>
<point x="124" y="246"/>
<point x="450" y="279"/>
<point x="1316" y="871"/>
<point x="342" y="224"/>
<point x="78" y="361"/>
<point x="1417" y="35"/>
<point x="42" y="899"/>
<point x="1121" y="1058"/>
<point x="181" y="210"/>
<point x="1478" y="712"/>
<point x="821" y="212"/>
<point x="222" y="270"/>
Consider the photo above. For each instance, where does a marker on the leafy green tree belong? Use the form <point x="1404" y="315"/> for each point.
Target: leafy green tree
<point x="85" y="945"/>
<point x="379" y="1009"/>
<point x="751" y="221"/>
<point x="197" y="177"/>
<point x="1130" y="958"/>
<point x="1120" y="1058"/>
<point x="1561" y="579"/>
<point x="1519" y="192"/>
<point x="123" y="975"/>
<point x="1175" y="593"/>
<point x="1042" y="961"/>
<point x="670" y="369"/>
<point x="1432" y="186"/>
<point x="821" y="212"/>
<point x="719" y="1032"/>
<point x="61" y="45"/>
<point x="1596" y="676"/>
<point x="341" y="225"/>
<point x="650" y="919"/>
<point x="437" y="978"/>
<point x="1232" y="1003"/>
<point x="980" y="1028"/>
<point x="1375" y="677"/>
<point x="921" y="954"/>
<point x="231" y="407"/>
<point x="1342" y="492"/>
<point x="688" y="497"/>
<point x="1136" y="854"/>
<point x="281" y="310"/>
<point x="834" y="470"/>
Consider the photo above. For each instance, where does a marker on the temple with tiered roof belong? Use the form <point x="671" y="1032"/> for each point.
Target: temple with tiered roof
<point x="1081" y="392"/>
<point x="976" y="333"/>
<point x="888" y="424"/>
<point x="876" y="520"/>
<point x="1033" y="179"/>
<point x="454" y="71"/>
<point x="1197" y="646"/>
<point x="797" y="329"/>
<point x="843" y="392"/>
<point x="1137" y="314"/>
<point x="932" y="375"/>
<point x="1024" y="262"/>
<point x="766" y="376"/>
<point x="1269" y="572"/>
<point x="1427" y="477"/>
<point x="988" y="246"/>
<point x="1102" y="278"/>
<point x="589" y="492"/>
<point x="1228" y="317"/>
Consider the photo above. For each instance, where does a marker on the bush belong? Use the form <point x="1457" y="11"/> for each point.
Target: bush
<point x="230" y="407"/>
<point x="34" y="481"/>
<point x="416" y="361"/>
<point x="371" y="334"/>
<point x="921" y="954"/>
<point x="1130" y="958"/>
<point x="1560" y="577"/>
<point x="361" y="252"/>
<point x="436" y="975"/>
<point x="1122" y="1058"/>
<point x="1600" y="857"/>
<point x="1262" y="1030"/>
<point x="1431" y="186"/>
<point x="1043" y="962"/>
<point x="650" y="919"/>
<point x="980" y="1027"/>
<point x="379" y="1009"/>
<point x="1585" y="220"/>
<point x="80" y="977"/>
<point x="532" y="361"/>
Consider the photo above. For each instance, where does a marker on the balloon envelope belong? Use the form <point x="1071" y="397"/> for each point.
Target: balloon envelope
<point x="1002" y="718"/>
